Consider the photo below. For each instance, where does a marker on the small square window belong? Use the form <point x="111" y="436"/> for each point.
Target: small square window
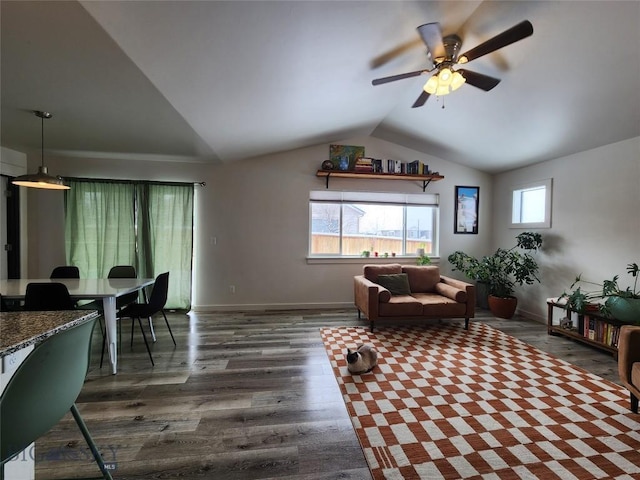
<point x="531" y="205"/>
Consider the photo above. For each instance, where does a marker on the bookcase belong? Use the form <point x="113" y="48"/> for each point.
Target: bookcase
<point x="592" y="328"/>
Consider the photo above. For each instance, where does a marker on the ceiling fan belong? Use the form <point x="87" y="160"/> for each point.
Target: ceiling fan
<point x="444" y="54"/>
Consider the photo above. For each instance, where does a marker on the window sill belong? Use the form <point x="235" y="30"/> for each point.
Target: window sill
<point x="404" y="260"/>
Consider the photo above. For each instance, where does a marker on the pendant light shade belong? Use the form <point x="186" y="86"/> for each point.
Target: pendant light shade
<point x="42" y="179"/>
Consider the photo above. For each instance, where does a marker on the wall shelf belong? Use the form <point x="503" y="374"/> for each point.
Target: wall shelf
<point x="425" y="179"/>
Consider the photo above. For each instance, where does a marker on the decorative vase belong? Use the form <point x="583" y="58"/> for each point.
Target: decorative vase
<point x="420" y="252"/>
<point x="502" y="307"/>
<point x="624" y="309"/>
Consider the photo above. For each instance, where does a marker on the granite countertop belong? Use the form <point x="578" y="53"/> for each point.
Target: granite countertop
<point x="21" y="329"/>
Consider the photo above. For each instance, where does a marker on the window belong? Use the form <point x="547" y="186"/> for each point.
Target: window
<point x="348" y="223"/>
<point x="145" y="224"/>
<point x="531" y="205"/>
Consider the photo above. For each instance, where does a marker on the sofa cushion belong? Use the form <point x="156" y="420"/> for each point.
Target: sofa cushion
<point x="396" y="283"/>
<point x="400" y="306"/>
<point x="422" y="278"/>
<point x="371" y="272"/>
<point x="451" y="292"/>
<point x="435" y="305"/>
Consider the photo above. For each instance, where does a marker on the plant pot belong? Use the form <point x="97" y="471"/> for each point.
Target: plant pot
<point x="502" y="307"/>
<point x="624" y="309"/>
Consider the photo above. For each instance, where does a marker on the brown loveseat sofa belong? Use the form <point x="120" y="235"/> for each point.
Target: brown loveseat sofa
<point x="629" y="362"/>
<point x="429" y="294"/>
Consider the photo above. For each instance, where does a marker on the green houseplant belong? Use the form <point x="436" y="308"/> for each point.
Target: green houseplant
<point x="608" y="298"/>
<point x="502" y="271"/>
<point x="423" y="260"/>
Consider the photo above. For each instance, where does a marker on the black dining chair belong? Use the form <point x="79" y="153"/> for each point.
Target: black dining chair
<point x="47" y="296"/>
<point x="156" y="303"/>
<point x="65" y="271"/>
<point x="43" y="389"/>
<point x="124" y="271"/>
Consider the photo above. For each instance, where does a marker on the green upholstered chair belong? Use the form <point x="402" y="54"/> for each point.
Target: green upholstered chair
<point x="43" y="389"/>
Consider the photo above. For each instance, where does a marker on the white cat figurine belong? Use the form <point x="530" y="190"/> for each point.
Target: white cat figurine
<point x="362" y="360"/>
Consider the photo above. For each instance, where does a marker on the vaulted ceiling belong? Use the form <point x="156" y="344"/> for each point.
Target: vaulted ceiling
<point x="219" y="81"/>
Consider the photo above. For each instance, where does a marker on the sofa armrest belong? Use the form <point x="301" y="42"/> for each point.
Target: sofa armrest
<point x="366" y="296"/>
<point x="470" y="288"/>
<point x="628" y="352"/>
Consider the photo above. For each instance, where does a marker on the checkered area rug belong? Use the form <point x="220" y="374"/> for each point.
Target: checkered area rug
<point x="447" y="403"/>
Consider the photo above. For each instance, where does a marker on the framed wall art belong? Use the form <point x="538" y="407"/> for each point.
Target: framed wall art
<point x="344" y="157"/>
<point x="467" y="204"/>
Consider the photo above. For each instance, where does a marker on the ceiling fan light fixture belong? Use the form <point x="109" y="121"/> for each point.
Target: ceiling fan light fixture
<point x="444" y="77"/>
<point x="432" y="85"/>
<point x="42" y="179"/>
<point x="457" y="81"/>
<point x="442" y="90"/>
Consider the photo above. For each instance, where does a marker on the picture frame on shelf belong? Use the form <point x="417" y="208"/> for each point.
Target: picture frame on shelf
<point x="467" y="208"/>
<point x="344" y="157"/>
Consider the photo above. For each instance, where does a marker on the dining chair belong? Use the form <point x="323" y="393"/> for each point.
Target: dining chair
<point x="4" y="306"/>
<point x="124" y="271"/>
<point x="65" y="271"/>
<point x="47" y="296"/>
<point x="43" y="389"/>
<point x="156" y="303"/>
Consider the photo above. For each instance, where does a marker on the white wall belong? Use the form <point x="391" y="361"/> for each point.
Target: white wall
<point x="595" y="227"/>
<point x="257" y="211"/>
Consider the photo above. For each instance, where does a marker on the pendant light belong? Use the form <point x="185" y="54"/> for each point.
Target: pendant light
<point x="42" y="179"/>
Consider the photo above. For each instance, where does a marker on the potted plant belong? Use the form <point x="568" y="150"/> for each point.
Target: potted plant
<point x="423" y="260"/>
<point x="365" y="253"/>
<point x="502" y="271"/>
<point x="609" y="298"/>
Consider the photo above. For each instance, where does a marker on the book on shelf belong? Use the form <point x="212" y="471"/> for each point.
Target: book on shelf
<point x="363" y="164"/>
<point x="415" y="167"/>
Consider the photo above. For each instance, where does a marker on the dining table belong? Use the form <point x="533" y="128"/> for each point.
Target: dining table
<point x="104" y="289"/>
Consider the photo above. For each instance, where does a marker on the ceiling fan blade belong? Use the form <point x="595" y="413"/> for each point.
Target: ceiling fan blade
<point x="395" y="52"/>
<point x="432" y="37"/>
<point x="512" y="35"/>
<point x="479" y="80"/>
<point x="420" y="101"/>
<point x="393" y="78"/>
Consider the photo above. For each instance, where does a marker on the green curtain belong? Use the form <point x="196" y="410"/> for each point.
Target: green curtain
<point x="149" y="226"/>
<point x="165" y="237"/>
<point x="99" y="226"/>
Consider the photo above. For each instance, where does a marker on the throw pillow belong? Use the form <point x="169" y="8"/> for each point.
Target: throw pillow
<point x="397" y="283"/>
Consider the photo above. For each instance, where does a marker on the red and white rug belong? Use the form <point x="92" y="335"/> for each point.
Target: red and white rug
<point x="449" y="403"/>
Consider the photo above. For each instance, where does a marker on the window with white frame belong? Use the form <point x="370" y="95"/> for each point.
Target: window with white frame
<point x="345" y="224"/>
<point x="531" y="205"/>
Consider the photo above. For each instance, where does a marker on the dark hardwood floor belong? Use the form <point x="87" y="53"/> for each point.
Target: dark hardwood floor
<point x="243" y="396"/>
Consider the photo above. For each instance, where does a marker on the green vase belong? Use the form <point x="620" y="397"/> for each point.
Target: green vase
<point x="624" y="309"/>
